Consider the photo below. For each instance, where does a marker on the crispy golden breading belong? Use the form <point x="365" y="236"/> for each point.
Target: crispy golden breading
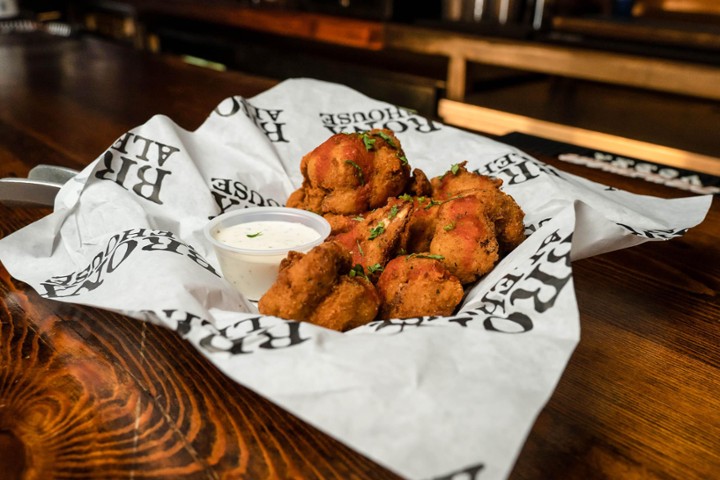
<point x="315" y="287"/>
<point x="416" y="286"/>
<point x="509" y="224"/>
<point x="341" y="223"/>
<point x="419" y="186"/>
<point x="351" y="173"/>
<point x="465" y="238"/>
<point x="421" y="225"/>
<point x="353" y="302"/>
<point x="459" y="181"/>
<point x="375" y="239"/>
<point x="501" y="208"/>
<point x="304" y="280"/>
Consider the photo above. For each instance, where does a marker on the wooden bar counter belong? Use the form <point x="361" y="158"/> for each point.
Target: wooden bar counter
<point x="89" y="394"/>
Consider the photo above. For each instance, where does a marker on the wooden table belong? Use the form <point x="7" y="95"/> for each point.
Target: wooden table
<point x="86" y="393"/>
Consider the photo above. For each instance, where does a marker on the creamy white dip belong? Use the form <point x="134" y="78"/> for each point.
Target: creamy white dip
<point x="253" y="273"/>
<point x="267" y="235"/>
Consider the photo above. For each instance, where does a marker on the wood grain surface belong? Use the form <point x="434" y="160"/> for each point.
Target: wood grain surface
<point x="64" y="101"/>
<point x="89" y="394"/>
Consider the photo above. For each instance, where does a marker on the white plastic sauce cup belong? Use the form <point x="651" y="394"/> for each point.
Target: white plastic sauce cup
<point x="253" y="271"/>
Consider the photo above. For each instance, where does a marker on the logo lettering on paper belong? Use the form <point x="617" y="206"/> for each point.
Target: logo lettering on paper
<point x="230" y="193"/>
<point x="651" y="172"/>
<point x="116" y="252"/>
<point x="542" y="285"/>
<point x="137" y="164"/>
<point x="392" y="118"/>
<point x="516" y="168"/>
<point x="532" y="228"/>
<point x="243" y="337"/>
<point x="266" y="119"/>
<point x="656" y="233"/>
<point x="251" y="334"/>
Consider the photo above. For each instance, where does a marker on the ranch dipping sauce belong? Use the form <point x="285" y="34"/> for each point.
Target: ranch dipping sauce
<point x="250" y="243"/>
<point x="267" y="235"/>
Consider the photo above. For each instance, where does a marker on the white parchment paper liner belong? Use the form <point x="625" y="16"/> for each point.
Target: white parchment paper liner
<point x="450" y="397"/>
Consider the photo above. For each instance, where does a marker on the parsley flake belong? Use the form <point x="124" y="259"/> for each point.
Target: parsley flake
<point x="426" y="255"/>
<point x="368" y="141"/>
<point x="375" y="268"/>
<point x="432" y="203"/>
<point x="379" y="229"/>
<point x="388" y="139"/>
<point x="403" y="158"/>
<point x="358" y="171"/>
<point x="449" y="226"/>
<point x="253" y="235"/>
<point x="393" y="212"/>
<point x="455" y="168"/>
<point x="406" y="197"/>
<point x="359" y="218"/>
<point x="357" y="271"/>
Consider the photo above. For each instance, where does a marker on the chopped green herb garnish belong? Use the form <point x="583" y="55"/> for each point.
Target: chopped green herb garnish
<point x="360" y="250"/>
<point x="358" y="171"/>
<point x="359" y="218"/>
<point x="451" y="199"/>
<point x="375" y="268"/>
<point x="432" y="203"/>
<point x="426" y="255"/>
<point x="403" y="158"/>
<point x="379" y="229"/>
<point x="253" y="235"/>
<point x="368" y="141"/>
<point x="421" y="199"/>
<point x="454" y="168"/>
<point x="393" y="212"/>
<point x="357" y="271"/>
<point x="449" y="227"/>
<point x="406" y="197"/>
<point x="388" y="139"/>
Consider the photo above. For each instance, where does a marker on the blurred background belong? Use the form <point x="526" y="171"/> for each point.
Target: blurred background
<point x="643" y="70"/>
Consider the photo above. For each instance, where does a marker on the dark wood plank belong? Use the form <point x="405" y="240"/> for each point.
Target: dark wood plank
<point x="63" y="102"/>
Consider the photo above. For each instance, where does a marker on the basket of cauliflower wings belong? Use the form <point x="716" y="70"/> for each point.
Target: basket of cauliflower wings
<point x="401" y="245"/>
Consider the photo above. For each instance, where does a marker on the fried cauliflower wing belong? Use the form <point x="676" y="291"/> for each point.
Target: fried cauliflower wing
<point x="416" y="286"/>
<point x="304" y="280"/>
<point x="351" y="173"/>
<point x="315" y="287"/>
<point x="353" y="302"/>
<point x="501" y="208"/>
<point x="465" y="238"/>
